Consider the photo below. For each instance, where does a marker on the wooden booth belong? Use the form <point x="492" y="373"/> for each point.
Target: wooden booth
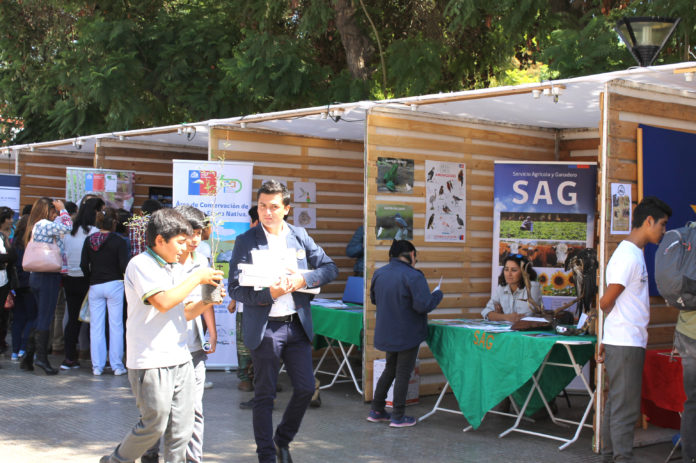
<point x="595" y="119"/>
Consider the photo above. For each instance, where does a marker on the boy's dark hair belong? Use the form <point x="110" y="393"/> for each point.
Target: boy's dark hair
<point x="123" y="217"/>
<point x="5" y="214"/>
<point x="401" y="248"/>
<point x="168" y="223"/>
<point x="71" y="207"/>
<point x="150" y="206"/>
<point x="87" y="215"/>
<point x="272" y="187"/>
<point x="650" y="206"/>
<point x="110" y="219"/>
<point x="254" y="213"/>
<point x="26" y="210"/>
<point x="523" y="262"/>
<point x="196" y="218"/>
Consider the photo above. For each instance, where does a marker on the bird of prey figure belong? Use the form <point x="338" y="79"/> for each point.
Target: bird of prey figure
<point x="431" y="173"/>
<point x="430" y="221"/>
<point x="460" y="177"/>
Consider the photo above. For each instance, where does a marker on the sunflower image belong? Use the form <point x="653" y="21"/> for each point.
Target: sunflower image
<point x="559" y="280"/>
<point x="543" y="279"/>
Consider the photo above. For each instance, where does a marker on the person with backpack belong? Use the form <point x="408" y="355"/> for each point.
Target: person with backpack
<point x="675" y="275"/>
<point x="626" y="303"/>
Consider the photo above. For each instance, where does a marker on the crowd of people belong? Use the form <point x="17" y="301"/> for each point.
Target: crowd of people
<point x="148" y="285"/>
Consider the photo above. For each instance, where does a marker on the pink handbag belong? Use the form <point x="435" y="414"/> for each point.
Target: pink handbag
<point x="41" y="257"/>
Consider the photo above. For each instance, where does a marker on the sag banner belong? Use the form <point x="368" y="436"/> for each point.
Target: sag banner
<point x="544" y="211"/>
<point x="222" y="191"/>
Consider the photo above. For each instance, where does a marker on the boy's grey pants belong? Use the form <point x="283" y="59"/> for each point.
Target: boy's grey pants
<point x="624" y="368"/>
<point x="165" y="398"/>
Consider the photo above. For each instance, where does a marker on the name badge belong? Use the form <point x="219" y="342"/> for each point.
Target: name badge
<point x="301" y="254"/>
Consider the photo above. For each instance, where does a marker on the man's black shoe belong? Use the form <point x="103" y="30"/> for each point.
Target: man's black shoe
<point x="283" y="454"/>
<point x="248" y="405"/>
<point x="150" y="458"/>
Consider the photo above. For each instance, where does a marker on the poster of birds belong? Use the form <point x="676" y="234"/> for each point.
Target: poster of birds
<point x="445" y="195"/>
<point x="305" y="192"/>
<point x="394" y="222"/>
<point x="395" y="175"/>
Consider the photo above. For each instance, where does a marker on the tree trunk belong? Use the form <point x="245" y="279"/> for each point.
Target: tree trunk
<point x="356" y="44"/>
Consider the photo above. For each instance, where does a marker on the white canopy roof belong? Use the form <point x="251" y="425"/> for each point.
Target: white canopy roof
<point x="577" y="107"/>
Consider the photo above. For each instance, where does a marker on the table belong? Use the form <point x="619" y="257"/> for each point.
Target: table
<point x="483" y="368"/>
<point x="338" y="328"/>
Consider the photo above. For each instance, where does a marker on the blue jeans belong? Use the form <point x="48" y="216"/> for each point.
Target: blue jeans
<point x="687" y="349"/>
<point x="103" y="297"/>
<point x="45" y="287"/>
<point x="23" y="318"/>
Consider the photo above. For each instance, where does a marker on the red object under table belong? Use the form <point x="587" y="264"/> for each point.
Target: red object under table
<point x="662" y="397"/>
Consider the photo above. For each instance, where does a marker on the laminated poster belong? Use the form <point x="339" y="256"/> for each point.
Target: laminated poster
<point x="394" y="175"/>
<point x="620" y="208"/>
<point x="305" y="192"/>
<point x="445" y="193"/>
<point x="304" y="217"/>
<point x="394" y="222"/>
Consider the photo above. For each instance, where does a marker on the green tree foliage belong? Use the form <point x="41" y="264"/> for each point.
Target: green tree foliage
<point x="69" y="67"/>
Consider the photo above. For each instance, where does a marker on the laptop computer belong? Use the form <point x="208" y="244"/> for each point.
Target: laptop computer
<point x="354" y="292"/>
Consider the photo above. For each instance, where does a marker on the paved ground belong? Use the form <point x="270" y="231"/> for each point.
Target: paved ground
<point x="76" y="417"/>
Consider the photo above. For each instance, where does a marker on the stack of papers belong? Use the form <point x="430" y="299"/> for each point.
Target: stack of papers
<point x="484" y="325"/>
<point x="268" y="267"/>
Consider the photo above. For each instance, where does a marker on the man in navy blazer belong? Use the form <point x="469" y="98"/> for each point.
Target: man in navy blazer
<point x="277" y="321"/>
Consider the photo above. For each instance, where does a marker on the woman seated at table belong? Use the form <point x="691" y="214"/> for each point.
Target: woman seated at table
<point x="510" y="301"/>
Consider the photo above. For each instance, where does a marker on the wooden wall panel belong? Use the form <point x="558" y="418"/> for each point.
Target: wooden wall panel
<point x="152" y="162"/>
<point x="335" y="166"/>
<point x="627" y="108"/>
<point x="465" y="267"/>
<point x="43" y="172"/>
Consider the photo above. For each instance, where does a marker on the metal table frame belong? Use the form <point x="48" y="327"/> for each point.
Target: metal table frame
<point x="558" y="421"/>
<point x="344" y="370"/>
<point x="437" y="408"/>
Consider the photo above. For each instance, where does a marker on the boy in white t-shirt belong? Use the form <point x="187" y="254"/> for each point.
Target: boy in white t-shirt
<point x="159" y="363"/>
<point x="626" y="304"/>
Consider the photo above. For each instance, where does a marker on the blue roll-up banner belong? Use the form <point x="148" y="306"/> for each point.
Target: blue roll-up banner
<point x="9" y="192"/>
<point x="544" y="211"/>
<point x="668" y="173"/>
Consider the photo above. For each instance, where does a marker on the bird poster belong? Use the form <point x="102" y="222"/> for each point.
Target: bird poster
<point x="394" y="175"/>
<point x="394" y="222"/>
<point x="445" y="195"/>
<point x="305" y="192"/>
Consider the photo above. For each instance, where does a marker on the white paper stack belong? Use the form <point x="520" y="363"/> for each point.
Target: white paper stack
<point x="268" y="267"/>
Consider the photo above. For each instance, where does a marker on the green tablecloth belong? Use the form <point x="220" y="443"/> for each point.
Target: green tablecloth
<point x="345" y="325"/>
<point x="484" y="368"/>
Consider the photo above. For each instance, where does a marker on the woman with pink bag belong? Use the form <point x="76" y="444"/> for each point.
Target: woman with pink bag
<point x="48" y="223"/>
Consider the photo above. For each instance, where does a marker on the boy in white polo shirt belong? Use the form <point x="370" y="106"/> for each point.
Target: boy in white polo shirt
<point x="627" y="304"/>
<point x="159" y="362"/>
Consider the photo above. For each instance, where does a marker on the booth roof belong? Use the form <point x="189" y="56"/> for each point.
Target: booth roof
<point x="577" y="108"/>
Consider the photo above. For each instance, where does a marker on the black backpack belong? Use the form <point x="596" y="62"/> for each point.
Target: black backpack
<point x="675" y="267"/>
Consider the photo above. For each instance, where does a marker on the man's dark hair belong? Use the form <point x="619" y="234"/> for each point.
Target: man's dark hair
<point x="151" y="205"/>
<point x="523" y="262"/>
<point x="26" y="210"/>
<point x="401" y="248"/>
<point x="650" y="206"/>
<point x="71" y="207"/>
<point x="87" y="215"/>
<point x="5" y="214"/>
<point x="272" y="187"/>
<point x="254" y="213"/>
<point x="196" y="218"/>
<point x="168" y="223"/>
